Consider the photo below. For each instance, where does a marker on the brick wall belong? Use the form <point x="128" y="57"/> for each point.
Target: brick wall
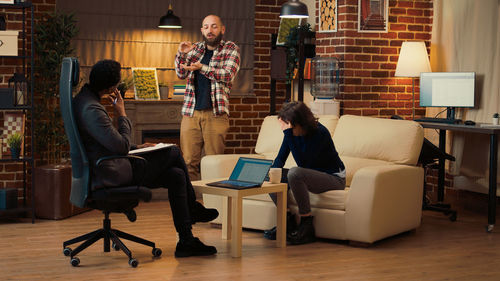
<point x="11" y="174"/>
<point x="368" y="60"/>
<point x="247" y="113"/>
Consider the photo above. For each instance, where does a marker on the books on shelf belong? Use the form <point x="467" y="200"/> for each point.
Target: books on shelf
<point x="179" y="90"/>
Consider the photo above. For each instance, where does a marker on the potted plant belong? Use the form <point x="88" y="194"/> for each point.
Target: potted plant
<point x="14" y="142"/>
<point x="292" y="49"/>
<point x="53" y="35"/>
<point x="163" y="90"/>
<point x="124" y="85"/>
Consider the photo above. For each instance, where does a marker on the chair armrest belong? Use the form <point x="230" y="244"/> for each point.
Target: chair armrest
<point x="138" y="163"/>
<point x="383" y="201"/>
<point x="221" y="165"/>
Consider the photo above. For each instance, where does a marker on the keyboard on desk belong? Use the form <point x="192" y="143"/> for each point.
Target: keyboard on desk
<point x="438" y="120"/>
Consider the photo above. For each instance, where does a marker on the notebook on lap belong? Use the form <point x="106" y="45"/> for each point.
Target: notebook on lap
<point x="247" y="173"/>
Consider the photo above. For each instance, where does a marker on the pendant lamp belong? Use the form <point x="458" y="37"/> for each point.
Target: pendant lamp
<point x="170" y="20"/>
<point x="294" y="9"/>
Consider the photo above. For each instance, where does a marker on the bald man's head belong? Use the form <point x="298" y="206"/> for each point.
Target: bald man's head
<point x="212" y="30"/>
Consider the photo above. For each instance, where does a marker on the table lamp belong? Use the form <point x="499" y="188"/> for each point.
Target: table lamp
<point x="413" y="59"/>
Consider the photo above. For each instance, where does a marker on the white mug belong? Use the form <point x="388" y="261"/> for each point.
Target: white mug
<point x="495" y="121"/>
<point x="275" y="175"/>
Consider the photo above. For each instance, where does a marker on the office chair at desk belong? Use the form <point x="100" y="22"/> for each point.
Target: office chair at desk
<point x="429" y="156"/>
<point x="121" y="199"/>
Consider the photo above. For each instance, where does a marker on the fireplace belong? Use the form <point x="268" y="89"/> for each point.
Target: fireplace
<point x="154" y="121"/>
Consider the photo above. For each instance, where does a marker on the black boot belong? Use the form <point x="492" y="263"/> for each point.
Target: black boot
<point x="201" y="214"/>
<point x="291" y="226"/>
<point x="304" y="233"/>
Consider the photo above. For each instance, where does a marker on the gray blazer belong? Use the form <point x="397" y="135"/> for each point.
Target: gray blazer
<point x="100" y="138"/>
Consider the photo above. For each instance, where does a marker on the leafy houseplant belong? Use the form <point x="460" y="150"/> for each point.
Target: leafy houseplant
<point x="125" y="84"/>
<point x="53" y="35"/>
<point x="14" y="142"/>
<point x="292" y="49"/>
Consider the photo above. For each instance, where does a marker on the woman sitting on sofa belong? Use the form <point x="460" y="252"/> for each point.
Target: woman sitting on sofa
<point x="319" y="168"/>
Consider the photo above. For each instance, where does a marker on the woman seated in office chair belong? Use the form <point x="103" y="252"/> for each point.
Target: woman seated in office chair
<point x="319" y="168"/>
<point x="164" y="168"/>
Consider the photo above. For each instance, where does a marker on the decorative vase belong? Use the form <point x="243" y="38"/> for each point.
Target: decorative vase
<point x="14" y="152"/>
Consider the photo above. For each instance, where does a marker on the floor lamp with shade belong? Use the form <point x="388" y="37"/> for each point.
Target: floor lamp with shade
<point x="413" y="59"/>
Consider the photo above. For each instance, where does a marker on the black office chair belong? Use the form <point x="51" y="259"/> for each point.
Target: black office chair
<point x="122" y="199"/>
<point x="428" y="158"/>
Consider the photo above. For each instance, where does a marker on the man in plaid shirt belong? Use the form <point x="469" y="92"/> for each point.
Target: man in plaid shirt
<point x="209" y="68"/>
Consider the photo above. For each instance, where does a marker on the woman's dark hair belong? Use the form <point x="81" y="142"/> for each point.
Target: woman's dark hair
<point x="104" y="75"/>
<point x="297" y="113"/>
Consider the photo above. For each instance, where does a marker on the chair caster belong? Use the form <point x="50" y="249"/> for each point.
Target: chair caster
<point x="133" y="262"/>
<point x="67" y="251"/>
<point x="156" y="252"/>
<point x="115" y="247"/>
<point x="453" y="216"/>
<point x="75" y="261"/>
<point x="489" y="227"/>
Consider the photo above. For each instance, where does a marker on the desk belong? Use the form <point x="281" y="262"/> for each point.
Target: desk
<point x="233" y="208"/>
<point x="476" y="129"/>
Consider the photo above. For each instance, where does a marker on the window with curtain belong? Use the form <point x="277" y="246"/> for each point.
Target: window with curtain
<point x="466" y="37"/>
<point x="127" y="31"/>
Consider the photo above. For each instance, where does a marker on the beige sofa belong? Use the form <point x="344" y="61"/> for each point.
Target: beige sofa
<point x="383" y="196"/>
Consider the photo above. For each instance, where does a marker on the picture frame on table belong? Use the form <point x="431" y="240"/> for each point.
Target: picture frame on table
<point x="284" y="29"/>
<point x="328" y="16"/>
<point x="373" y="15"/>
<point x="145" y="84"/>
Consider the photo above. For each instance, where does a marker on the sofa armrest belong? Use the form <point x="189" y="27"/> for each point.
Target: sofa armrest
<point x="221" y="165"/>
<point x="383" y="201"/>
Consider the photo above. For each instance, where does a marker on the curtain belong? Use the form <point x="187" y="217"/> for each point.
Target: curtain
<point x="126" y="30"/>
<point x="466" y="37"/>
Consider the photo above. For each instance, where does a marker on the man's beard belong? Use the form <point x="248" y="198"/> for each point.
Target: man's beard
<point x="214" y="41"/>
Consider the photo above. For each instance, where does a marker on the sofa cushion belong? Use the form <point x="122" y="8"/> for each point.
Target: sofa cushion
<point x="353" y="164"/>
<point x="334" y="199"/>
<point x="398" y="141"/>
<point x="270" y="137"/>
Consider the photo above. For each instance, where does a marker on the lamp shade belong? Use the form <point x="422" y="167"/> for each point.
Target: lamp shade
<point x="413" y="59"/>
<point x="170" y="20"/>
<point x="294" y="9"/>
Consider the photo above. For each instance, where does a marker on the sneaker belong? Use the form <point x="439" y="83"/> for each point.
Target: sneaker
<point x="291" y="226"/>
<point x="193" y="247"/>
<point x="201" y="214"/>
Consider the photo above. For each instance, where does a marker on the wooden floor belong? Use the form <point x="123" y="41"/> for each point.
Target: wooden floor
<point x="438" y="250"/>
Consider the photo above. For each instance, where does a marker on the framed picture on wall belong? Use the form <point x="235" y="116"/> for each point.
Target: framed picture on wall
<point x="285" y="25"/>
<point x="145" y="84"/>
<point x="373" y="15"/>
<point x="13" y="123"/>
<point x="327" y="15"/>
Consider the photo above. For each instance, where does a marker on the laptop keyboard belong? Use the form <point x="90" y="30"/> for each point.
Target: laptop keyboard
<point x="238" y="183"/>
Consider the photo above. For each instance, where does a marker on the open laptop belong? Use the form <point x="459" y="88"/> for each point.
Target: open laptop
<point x="247" y="173"/>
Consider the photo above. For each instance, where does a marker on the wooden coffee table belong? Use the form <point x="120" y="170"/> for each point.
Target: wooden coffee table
<point x="233" y="207"/>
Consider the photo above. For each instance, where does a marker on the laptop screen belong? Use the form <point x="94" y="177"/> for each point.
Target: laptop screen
<point x="251" y="170"/>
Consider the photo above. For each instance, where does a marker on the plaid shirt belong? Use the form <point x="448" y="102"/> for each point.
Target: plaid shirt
<point x="221" y="71"/>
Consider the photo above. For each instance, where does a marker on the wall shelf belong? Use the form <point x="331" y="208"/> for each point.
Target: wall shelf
<point x="27" y="62"/>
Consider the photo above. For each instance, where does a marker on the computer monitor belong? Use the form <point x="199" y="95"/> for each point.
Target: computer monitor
<point x="447" y="89"/>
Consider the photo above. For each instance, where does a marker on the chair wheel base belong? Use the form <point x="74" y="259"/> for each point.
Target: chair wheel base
<point x="156" y="252"/>
<point x="133" y="262"/>
<point x="75" y="261"/>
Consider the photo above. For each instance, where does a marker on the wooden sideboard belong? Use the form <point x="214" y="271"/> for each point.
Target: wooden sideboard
<point x="158" y="116"/>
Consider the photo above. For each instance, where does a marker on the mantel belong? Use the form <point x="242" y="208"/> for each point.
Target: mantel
<point x="153" y="116"/>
